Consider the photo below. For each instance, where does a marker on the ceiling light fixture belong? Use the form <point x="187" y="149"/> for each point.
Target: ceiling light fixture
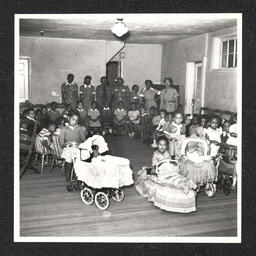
<point x="119" y="28"/>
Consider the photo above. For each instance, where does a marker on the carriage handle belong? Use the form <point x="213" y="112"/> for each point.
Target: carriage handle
<point x="165" y="161"/>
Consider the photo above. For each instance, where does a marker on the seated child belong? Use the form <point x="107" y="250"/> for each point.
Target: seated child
<point x="120" y="117"/>
<point x="107" y="119"/>
<point x="212" y="134"/>
<point x="163" y="183"/>
<point x="193" y="129"/>
<point x="187" y="122"/>
<point x="25" y="139"/>
<point x="60" y="123"/>
<point x="164" y="120"/>
<point x="133" y="120"/>
<point x="226" y="132"/>
<point x="145" y="125"/>
<point x="94" y="118"/>
<point x="134" y="96"/>
<point x="30" y="121"/>
<point x="44" y="119"/>
<point x="232" y="140"/>
<point x="43" y="143"/>
<point x="67" y="111"/>
<point x="82" y="113"/>
<point x="70" y="137"/>
<point x="195" y="162"/>
<point x="176" y="134"/>
<point x="155" y="117"/>
<point x="53" y="113"/>
<point x="200" y="129"/>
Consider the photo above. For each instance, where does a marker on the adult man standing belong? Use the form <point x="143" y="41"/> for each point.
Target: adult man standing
<point x="104" y="93"/>
<point x="69" y="91"/>
<point x="121" y="93"/>
<point x="87" y="93"/>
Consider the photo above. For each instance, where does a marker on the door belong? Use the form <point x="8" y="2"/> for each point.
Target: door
<point x="113" y="71"/>
<point x="193" y="93"/>
<point x="23" y="79"/>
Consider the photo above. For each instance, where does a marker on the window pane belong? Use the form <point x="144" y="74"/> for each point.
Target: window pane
<point x="224" y="47"/>
<point x="231" y="46"/>
<point x="224" y="61"/>
<point x="230" y="60"/>
<point x="235" y="60"/>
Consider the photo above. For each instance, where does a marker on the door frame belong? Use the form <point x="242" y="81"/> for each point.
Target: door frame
<point x="28" y="59"/>
<point x="190" y="83"/>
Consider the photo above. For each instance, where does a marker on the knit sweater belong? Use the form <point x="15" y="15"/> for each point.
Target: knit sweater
<point x="71" y="134"/>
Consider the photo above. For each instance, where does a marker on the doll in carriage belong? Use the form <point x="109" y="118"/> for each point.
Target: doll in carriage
<point x="102" y="176"/>
<point x="163" y="185"/>
<point x="196" y="164"/>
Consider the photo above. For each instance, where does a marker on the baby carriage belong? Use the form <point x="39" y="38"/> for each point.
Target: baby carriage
<point x="198" y="165"/>
<point x="166" y="188"/>
<point x="227" y="168"/>
<point x="102" y="176"/>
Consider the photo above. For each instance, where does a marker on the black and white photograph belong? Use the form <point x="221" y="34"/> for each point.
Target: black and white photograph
<point x="128" y="127"/>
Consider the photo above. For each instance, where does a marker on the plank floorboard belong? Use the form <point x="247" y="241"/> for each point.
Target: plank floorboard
<point x="46" y="209"/>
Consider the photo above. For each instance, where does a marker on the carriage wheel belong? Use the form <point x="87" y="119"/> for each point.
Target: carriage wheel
<point x="87" y="196"/>
<point x="101" y="200"/>
<point x="118" y="195"/>
<point x="226" y="187"/>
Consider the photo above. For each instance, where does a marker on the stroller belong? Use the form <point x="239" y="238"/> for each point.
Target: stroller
<point x="102" y="176"/>
<point x="227" y="178"/>
<point x="196" y="164"/>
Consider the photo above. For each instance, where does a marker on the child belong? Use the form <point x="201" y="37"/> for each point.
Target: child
<point x="30" y="121"/>
<point x="159" y="129"/>
<point x="176" y="134"/>
<point x="107" y="119"/>
<point x="200" y="129"/>
<point x="155" y="117"/>
<point x="145" y="125"/>
<point x="226" y="132"/>
<point x="193" y="129"/>
<point x="212" y="134"/>
<point x="163" y="184"/>
<point x="44" y="120"/>
<point x="25" y="139"/>
<point x="94" y="118"/>
<point x="134" y="96"/>
<point x="43" y="141"/>
<point x="232" y="140"/>
<point x="133" y="120"/>
<point x="120" y="117"/>
<point x="70" y="137"/>
<point x="67" y="111"/>
<point x="60" y="122"/>
<point x="82" y="113"/>
<point x="187" y="122"/>
<point x="53" y="113"/>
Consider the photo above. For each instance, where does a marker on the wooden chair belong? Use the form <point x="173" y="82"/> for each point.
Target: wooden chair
<point x="56" y="154"/>
<point x="28" y="152"/>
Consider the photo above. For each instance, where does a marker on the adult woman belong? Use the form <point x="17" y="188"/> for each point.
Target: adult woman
<point x="169" y="96"/>
<point x="149" y="95"/>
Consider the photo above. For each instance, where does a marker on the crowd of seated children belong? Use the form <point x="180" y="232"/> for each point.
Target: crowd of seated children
<point x="133" y="120"/>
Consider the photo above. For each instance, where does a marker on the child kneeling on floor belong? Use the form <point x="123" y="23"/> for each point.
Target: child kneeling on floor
<point x="164" y="185"/>
<point x="71" y="136"/>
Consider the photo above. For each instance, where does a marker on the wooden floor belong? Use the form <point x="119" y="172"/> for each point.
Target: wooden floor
<point x="48" y="210"/>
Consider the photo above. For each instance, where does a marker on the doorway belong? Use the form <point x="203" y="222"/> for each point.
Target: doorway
<point x="194" y="87"/>
<point x="24" y="79"/>
<point x="113" y="71"/>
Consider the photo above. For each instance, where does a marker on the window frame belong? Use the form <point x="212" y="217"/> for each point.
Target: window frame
<point x="227" y="39"/>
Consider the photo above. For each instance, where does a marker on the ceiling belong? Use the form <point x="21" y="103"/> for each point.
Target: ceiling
<point x="143" y="28"/>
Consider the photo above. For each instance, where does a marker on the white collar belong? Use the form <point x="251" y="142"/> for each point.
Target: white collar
<point x="87" y="86"/>
<point x="23" y="129"/>
<point x="30" y="118"/>
<point x="80" y="110"/>
<point x="72" y="83"/>
<point x="72" y="127"/>
<point x="93" y="109"/>
<point x="105" y="108"/>
<point x="145" y="114"/>
<point x="122" y="109"/>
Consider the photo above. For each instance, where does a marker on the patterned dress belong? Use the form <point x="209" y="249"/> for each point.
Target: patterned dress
<point x="87" y="95"/>
<point x="169" y="98"/>
<point x="69" y="94"/>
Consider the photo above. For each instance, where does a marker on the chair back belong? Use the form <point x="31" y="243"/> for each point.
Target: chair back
<point x="56" y="148"/>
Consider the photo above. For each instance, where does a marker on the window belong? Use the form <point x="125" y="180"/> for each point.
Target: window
<point x="228" y="53"/>
<point x="224" y="52"/>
